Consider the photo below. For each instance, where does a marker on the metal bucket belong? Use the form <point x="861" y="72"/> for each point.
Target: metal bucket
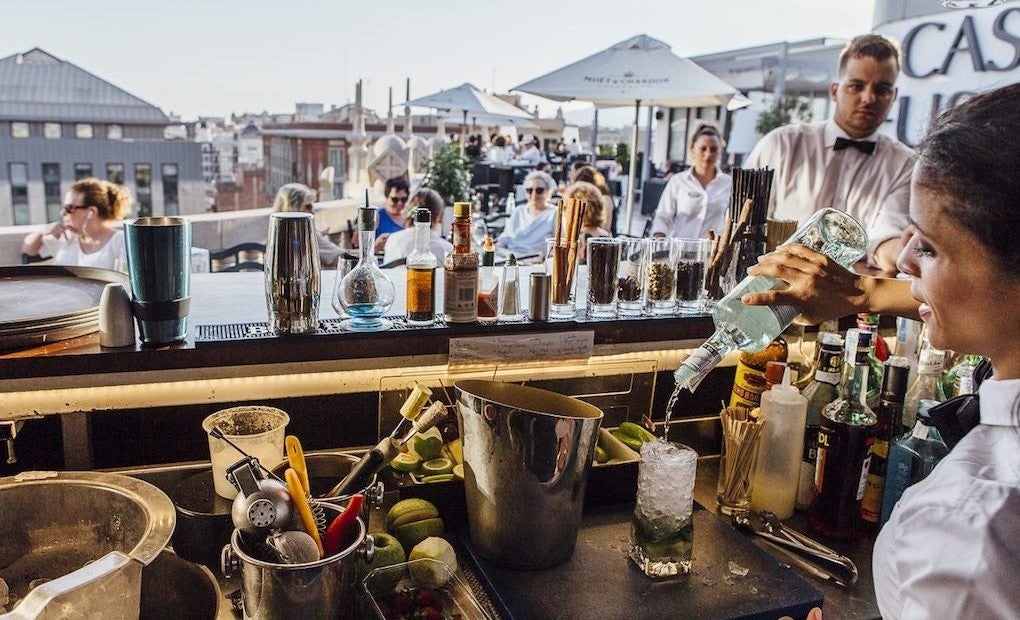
<point x="324" y="589"/>
<point x="527" y="453"/>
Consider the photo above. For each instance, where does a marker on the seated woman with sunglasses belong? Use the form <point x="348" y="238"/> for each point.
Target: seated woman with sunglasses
<point x="529" y="227"/>
<point x="87" y="234"/>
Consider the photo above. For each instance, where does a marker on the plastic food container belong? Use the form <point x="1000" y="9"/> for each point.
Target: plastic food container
<point x="392" y="592"/>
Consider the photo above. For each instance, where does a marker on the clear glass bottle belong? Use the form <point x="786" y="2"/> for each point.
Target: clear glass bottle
<point x="823" y="389"/>
<point x="879" y="353"/>
<point x="421" y="272"/>
<point x="365" y="293"/>
<point x="800" y="364"/>
<point x="510" y="292"/>
<point x="751" y="328"/>
<point x="911" y="458"/>
<point x="488" y="284"/>
<point x="479" y="229"/>
<point x="927" y="386"/>
<point x="845" y="434"/>
<point x="890" y="415"/>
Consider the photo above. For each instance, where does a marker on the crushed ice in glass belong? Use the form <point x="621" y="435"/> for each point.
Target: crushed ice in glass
<point x="665" y="489"/>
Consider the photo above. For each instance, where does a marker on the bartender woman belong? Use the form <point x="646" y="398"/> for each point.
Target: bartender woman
<point x="952" y="546"/>
<point x="694" y="201"/>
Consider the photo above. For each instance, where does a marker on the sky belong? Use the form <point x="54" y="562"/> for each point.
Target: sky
<point x="213" y="57"/>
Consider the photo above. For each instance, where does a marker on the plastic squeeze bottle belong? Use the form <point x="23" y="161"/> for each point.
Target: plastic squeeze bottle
<point x="782" y="445"/>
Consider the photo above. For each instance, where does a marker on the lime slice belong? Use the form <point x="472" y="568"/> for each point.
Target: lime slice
<point x="405" y="461"/>
<point x="458" y="470"/>
<point x="442" y="465"/>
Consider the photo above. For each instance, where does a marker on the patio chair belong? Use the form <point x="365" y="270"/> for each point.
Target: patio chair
<point x="241" y="257"/>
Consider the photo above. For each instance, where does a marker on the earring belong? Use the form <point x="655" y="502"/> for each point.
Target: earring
<point x="84" y="236"/>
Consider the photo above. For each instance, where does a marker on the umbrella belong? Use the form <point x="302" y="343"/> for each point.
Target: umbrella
<point x="470" y="101"/>
<point x="640" y="70"/>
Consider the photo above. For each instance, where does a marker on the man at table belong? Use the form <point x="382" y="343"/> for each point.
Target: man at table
<point x="845" y="162"/>
<point x="529" y="151"/>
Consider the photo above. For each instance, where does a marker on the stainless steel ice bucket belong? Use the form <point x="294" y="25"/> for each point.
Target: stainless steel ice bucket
<point x="292" y="274"/>
<point x="527" y="453"/>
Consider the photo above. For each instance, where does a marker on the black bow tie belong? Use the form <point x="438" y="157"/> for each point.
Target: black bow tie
<point x="861" y="145"/>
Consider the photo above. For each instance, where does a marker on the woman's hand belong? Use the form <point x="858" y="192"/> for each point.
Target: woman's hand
<point x="380" y="242"/>
<point x="817" y="285"/>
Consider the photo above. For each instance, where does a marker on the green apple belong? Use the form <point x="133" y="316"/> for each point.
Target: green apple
<point x="428" y="445"/>
<point x="408" y="511"/>
<point x="411" y="534"/>
<point x="432" y="574"/>
<point x="388" y="552"/>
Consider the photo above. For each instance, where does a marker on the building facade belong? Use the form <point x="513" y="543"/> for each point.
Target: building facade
<point x="59" y="123"/>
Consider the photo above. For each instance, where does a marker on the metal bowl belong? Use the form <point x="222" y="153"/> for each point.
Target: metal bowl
<point x="67" y="534"/>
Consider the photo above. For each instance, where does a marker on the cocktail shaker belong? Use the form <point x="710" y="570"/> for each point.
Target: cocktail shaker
<point x="292" y="274"/>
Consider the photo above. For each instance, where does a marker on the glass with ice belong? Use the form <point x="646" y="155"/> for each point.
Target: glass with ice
<point x="662" y="532"/>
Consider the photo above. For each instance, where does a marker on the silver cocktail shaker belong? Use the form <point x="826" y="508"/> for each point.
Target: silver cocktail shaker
<point x="292" y="274"/>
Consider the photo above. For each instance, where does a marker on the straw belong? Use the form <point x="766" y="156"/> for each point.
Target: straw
<point x="741" y="431"/>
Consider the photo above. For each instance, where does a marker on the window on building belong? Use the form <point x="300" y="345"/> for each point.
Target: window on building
<point x="19" y="130"/>
<point x="114" y="132"/>
<point x="83" y="131"/>
<point x="143" y="189"/>
<point x="170" y="204"/>
<point x="52" y="131"/>
<point x="115" y="173"/>
<point x="18" y="174"/>
<point x="82" y="170"/>
<point x="51" y="190"/>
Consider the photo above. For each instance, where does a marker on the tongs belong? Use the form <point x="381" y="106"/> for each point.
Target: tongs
<point x="828" y="562"/>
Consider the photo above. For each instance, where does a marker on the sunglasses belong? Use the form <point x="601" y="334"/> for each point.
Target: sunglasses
<point x="398" y="199"/>
<point x="534" y="190"/>
<point x="67" y="209"/>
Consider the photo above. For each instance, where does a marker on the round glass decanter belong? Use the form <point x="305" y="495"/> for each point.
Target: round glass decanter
<point x="365" y="294"/>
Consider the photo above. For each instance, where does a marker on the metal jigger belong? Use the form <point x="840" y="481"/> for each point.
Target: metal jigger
<point x="292" y="274"/>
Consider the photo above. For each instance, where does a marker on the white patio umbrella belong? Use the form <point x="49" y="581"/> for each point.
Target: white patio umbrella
<point x="470" y="101"/>
<point x="638" y="71"/>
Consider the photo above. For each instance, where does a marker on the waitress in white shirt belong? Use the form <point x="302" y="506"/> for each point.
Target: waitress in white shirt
<point x="695" y="200"/>
<point x="952" y="546"/>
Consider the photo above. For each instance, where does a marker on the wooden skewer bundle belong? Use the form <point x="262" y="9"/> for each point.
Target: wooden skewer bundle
<point x="749" y="201"/>
<point x="741" y="431"/>
<point x="569" y="216"/>
<point x="778" y="231"/>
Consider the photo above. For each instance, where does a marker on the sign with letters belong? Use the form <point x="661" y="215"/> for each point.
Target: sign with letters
<point x="948" y="57"/>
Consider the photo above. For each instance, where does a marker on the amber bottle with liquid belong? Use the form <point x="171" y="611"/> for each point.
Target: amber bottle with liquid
<point x="749" y="380"/>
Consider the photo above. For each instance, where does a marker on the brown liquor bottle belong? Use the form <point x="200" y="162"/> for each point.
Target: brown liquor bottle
<point x="749" y="380"/>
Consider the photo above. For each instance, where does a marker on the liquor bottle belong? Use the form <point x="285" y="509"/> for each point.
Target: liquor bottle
<point x="751" y="328"/>
<point x="365" y="293"/>
<point x="776" y="473"/>
<point x="461" y="233"/>
<point x="845" y="435"/>
<point x="960" y="378"/>
<point x="421" y="273"/>
<point x="911" y="458"/>
<point x="460" y="271"/>
<point x="927" y="386"/>
<point x="890" y="416"/>
<point x="479" y="229"/>
<point x="749" y="379"/>
<point x="879" y="353"/>
<point x="908" y="333"/>
<point x="510" y="291"/>
<point x="488" y="284"/>
<point x="822" y="390"/>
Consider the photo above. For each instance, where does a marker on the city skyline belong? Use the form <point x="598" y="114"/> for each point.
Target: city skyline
<point x="197" y="59"/>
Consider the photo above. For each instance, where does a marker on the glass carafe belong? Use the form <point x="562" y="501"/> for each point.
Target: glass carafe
<point x="365" y="293"/>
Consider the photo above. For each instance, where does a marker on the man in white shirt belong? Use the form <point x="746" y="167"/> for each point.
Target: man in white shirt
<point x="844" y="162"/>
<point x="530" y="154"/>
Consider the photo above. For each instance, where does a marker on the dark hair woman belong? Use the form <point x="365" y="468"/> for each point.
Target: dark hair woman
<point x="951" y="547"/>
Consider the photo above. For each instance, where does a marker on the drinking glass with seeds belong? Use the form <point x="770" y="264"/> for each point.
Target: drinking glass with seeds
<point x="660" y="275"/>
<point x="691" y="265"/>
<point x="603" y="264"/>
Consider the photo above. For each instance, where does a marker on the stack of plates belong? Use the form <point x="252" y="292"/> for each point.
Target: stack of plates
<point x="45" y="303"/>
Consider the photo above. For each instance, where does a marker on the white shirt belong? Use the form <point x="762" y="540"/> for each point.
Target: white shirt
<point x="810" y="175"/>
<point x="498" y="155"/>
<point x="688" y="209"/>
<point x="66" y="250"/>
<point x="530" y="155"/>
<point x="401" y="243"/>
<point x="525" y="232"/>
<point x="951" y="548"/>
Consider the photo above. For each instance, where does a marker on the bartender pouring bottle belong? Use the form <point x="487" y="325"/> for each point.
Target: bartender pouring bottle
<point x="844" y="163"/>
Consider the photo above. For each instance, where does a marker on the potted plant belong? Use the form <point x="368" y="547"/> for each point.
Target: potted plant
<point x="449" y="174"/>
